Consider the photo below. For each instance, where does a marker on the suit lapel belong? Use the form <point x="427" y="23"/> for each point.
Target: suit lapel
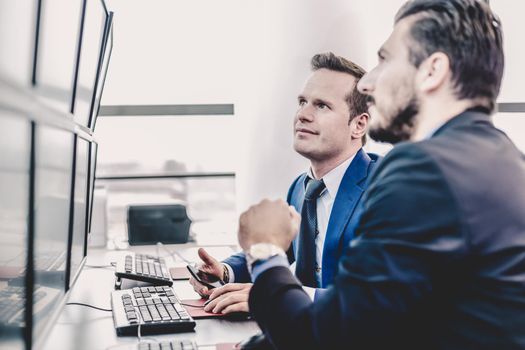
<point x="348" y="195"/>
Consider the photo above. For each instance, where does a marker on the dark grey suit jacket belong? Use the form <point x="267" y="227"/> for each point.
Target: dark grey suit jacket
<point x="439" y="258"/>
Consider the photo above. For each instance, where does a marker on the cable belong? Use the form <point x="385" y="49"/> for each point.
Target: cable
<point x="198" y="306"/>
<point x="101" y="266"/>
<point x="91" y="306"/>
<point x="172" y="253"/>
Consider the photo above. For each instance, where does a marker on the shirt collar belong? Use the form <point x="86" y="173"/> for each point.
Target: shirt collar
<point x="333" y="178"/>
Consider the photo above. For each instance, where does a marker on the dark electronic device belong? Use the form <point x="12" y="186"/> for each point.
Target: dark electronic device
<point x="156" y="309"/>
<point x="149" y="224"/>
<point x="145" y="268"/>
<point x="204" y="278"/>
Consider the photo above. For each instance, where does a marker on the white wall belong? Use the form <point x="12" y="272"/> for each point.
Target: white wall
<point x="256" y="54"/>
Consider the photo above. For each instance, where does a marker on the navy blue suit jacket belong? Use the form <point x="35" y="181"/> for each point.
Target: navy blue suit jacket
<point x="438" y="261"/>
<point x="341" y="225"/>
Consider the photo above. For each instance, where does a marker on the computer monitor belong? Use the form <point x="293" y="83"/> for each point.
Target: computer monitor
<point x="79" y="210"/>
<point x="17" y="40"/>
<point x="15" y="150"/>
<point x="93" y="147"/>
<point x="56" y="57"/>
<point x="53" y="170"/>
<point x="101" y="79"/>
<point x="89" y="60"/>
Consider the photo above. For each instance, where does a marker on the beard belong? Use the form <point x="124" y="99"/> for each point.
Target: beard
<point x="400" y="127"/>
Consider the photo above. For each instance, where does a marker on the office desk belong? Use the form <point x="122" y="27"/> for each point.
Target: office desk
<point x="80" y="327"/>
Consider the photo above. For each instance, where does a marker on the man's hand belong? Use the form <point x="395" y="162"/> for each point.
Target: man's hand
<point x="232" y="297"/>
<point x="210" y="265"/>
<point x="272" y="222"/>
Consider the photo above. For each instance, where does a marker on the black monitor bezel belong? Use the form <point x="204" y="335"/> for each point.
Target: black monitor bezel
<point x="93" y="149"/>
<point x="78" y="61"/>
<point x="101" y="76"/>
<point x="71" y="279"/>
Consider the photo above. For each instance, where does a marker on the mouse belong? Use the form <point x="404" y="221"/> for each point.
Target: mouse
<point x="255" y="342"/>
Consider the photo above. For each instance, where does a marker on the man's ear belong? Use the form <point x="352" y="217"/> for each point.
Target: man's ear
<point x="359" y="126"/>
<point x="433" y="73"/>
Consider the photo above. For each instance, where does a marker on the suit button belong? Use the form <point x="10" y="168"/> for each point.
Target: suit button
<point x="317" y="269"/>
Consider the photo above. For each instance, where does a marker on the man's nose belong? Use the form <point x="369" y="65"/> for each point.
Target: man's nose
<point x="305" y="113"/>
<point x="365" y="84"/>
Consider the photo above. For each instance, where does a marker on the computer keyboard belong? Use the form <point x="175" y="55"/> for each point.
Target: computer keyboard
<point x="13" y="303"/>
<point x="156" y="309"/>
<point x="144" y="268"/>
<point x="149" y="344"/>
<point x="168" y="345"/>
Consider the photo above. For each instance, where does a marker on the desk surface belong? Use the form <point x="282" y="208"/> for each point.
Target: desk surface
<point x="80" y="327"/>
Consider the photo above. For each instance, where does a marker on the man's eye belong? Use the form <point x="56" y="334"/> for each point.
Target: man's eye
<point x="322" y="106"/>
<point x="302" y="102"/>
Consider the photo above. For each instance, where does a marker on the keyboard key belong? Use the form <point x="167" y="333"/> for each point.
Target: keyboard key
<point x="143" y="346"/>
<point x="178" y="307"/>
<point x="145" y="314"/>
<point x="165" y="345"/>
<point x="149" y="302"/>
<point x="154" y="313"/>
<point x="129" y="308"/>
<point x="141" y="302"/>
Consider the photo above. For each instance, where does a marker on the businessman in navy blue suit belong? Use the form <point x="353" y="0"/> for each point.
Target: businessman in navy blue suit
<point x="329" y="129"/>
<point x="438" y="261"/>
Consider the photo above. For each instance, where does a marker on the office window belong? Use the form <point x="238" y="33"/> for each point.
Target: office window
<point x="204" y="146"/>
<point x="513" y="125"/>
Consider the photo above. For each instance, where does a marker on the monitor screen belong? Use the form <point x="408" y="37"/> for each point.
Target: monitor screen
<point x="93" y="147"/>
<point x="57" y="51"/>
<point x="53" y="173"/>
<point x="17" y="20"/>
<point x="95" y="16"/>
<point x="15" y="148"/>
<point x="80" y="206"/>
<point x="108" y="48"/>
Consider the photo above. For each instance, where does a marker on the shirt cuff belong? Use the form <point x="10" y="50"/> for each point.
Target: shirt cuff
<point x="231" y="274"/>
<point x="262" y="265"/>
<point x="310" y="291"/>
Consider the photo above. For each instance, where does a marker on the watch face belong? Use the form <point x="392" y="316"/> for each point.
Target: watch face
<point x="264" y="251"/>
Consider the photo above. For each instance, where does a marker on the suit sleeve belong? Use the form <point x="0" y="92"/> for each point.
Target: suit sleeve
<point x="408" y="227"/>
<point x="238" y="264"/>
<point x="238" y="261"/>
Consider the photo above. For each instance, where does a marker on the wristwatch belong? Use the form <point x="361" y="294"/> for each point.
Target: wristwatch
<point x="262" y="251"/>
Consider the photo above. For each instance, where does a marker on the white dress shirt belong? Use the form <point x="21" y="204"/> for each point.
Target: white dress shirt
<point x="325" y="202"/>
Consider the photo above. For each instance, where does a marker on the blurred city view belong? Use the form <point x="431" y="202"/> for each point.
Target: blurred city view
<point x="170" y="146"/>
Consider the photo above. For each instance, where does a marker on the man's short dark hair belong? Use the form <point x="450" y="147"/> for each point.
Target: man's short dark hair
<point x="356" y="101"/>
<point x="469" y="33"/>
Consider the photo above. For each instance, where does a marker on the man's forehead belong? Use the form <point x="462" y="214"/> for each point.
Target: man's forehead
<point x="325" y="79"/>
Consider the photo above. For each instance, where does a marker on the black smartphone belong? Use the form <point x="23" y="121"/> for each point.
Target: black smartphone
<point x="204" y="278"/>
